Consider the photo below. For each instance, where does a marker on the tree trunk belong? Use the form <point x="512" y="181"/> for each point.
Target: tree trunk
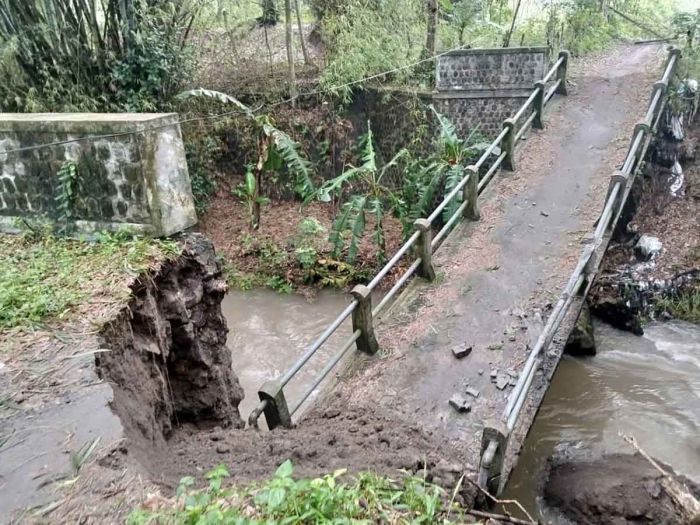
<point x="506" y="40"/>
<point x="307" y="60"/>
<point x="432" y="18"/>
<point x="290" y="49"/>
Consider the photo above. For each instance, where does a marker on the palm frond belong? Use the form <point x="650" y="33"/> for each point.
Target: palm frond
<point x="452" y="178"/>
<point x="224" y="98"/>
<point x="448" y="132"/>
<point x="357" y="225"/>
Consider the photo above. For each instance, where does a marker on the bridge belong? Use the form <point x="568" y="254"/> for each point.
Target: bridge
<point x="465" y="342"/>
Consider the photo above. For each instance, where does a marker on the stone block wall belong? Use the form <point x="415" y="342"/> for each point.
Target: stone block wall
<point x="499" y="68"/>
<point x="136" y="177"/>
<point x="485" y="86"/>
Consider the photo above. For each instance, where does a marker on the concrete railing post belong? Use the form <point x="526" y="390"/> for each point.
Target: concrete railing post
<point x="561" y="72"/>
<point x="276" y="410"/>
<point x="494" y="441"/>
<point x="424" y="249"/>
<point x="538" y="122"/>
<point x="470" y="194"/>
<point x="362" y="320"/>
<point x="508" y="145"/>
<point x="618" y="177"/>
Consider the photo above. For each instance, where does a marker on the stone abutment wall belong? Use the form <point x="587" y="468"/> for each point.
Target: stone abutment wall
<point x="135" y="176"/>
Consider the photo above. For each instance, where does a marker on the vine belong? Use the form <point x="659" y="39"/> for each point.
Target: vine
<point x="67" y="191"/>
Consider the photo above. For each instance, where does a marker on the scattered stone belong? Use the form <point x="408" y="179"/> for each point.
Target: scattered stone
<point x="460" y="404"/>
<point x="461" y="352"/>
<point x="494" y="373"/>
<point x="646" y="247"/>
<point x="481" y="372"/>
<point x="544" y="214"/>
<point x="473" y="392"/>
<point x="223" y="449"/>
<point x="495" y="346"/>
<point x="502" y="381"/>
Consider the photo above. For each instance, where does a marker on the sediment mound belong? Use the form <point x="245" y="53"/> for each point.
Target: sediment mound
<point x="614" y="489"/>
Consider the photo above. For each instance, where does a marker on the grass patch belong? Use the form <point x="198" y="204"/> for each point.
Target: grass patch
<point x="43" y="277"/>
<point x="334" y="498"/>
<point x="686" y="306"/>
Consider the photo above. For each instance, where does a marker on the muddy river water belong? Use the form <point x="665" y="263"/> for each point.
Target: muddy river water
<point x="647" y="386"/>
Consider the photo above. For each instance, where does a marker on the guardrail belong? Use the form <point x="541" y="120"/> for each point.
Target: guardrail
<point x="495" y="435"/>
<point x="273" y="402"/>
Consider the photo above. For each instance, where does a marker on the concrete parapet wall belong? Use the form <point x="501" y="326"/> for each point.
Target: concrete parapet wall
<point x="134" y="177"/>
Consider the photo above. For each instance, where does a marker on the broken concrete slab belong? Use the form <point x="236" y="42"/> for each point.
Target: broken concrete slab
<point x="460" y="404"/>
<point x="473" y="392"/>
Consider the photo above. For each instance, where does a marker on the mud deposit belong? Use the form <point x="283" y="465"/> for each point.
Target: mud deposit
<point x="616" y="488"/>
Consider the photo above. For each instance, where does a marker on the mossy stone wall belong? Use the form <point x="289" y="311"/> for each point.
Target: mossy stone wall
<point x="135" y="175"/>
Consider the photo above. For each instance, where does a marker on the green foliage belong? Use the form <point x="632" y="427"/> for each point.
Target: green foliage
<point x="685" y="306"/>
<point x="116" y="55"/>
<point x="366" y="38"/>
<point x="67" y="189"/>
<point x="375" y="200"/>
<point x="333" y="498"/>
<point x="199" y="152"/>
<point x="277" y="151"/>
<point x="44" y="277"/>
<point x="249" y="195"/>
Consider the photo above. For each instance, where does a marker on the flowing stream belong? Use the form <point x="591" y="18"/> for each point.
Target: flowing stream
<point x="647" y="387"/>
<point x="269" y="331"/>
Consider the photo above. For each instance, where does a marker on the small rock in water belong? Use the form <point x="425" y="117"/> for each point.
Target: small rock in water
<point x="459" y="351"/>
<point x="646" y="247"/>
<point x="544" y="214"/>
<point x="473" y="392"/>
<point x="459" y="404"/>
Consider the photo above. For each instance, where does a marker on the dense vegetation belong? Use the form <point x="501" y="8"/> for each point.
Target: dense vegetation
<point x="137" y="55"/>
<point x="334" y="498"/>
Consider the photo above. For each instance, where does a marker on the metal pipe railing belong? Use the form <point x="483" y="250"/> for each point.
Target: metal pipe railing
<point x="420" y="239"/>
<point x="317" y="344"/>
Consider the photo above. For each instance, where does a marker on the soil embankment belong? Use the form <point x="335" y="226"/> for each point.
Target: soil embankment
<point x="614" y="489"/>
<point x="652" y="270"/>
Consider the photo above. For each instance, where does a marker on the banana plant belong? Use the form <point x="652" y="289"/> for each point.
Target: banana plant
<point x="428" y="180"/>
<point x="250" y="197"/>
<point x="372" y="199"/>
<point x="276" y="150"/>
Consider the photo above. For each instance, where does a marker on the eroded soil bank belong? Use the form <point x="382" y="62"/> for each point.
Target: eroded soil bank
<point x="652" y="269"/>
<point x="617" y="489"/>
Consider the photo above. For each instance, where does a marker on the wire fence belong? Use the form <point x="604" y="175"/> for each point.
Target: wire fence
<point x="495" y="439"/>
<point x="420" y="246"/>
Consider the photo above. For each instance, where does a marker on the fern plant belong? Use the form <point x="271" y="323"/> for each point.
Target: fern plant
<point x="371" y="199"/>
<point x="276" y="150"/>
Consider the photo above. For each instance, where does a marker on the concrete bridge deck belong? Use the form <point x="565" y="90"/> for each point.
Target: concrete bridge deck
<point x="497" y="276"/>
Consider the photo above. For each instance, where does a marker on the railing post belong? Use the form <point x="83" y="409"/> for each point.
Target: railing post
<point x="561" y="72"/>
<point x="508" y="145"/>
<point x="470" y="194"/>
<point x="424" y="249"/>
<point x="538" y="122"/>
<point x="618" y="177"/>
<point x="276" y="410"/>
<point x="362" y="320"/>
<point x="495" y="434"/>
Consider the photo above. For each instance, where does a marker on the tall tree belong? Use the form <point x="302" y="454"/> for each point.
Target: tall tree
<point x="432" y="19"/>
<point x="270" y="15"/>
<point x="304" y="52"/>
<point x="290" y="48"/>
